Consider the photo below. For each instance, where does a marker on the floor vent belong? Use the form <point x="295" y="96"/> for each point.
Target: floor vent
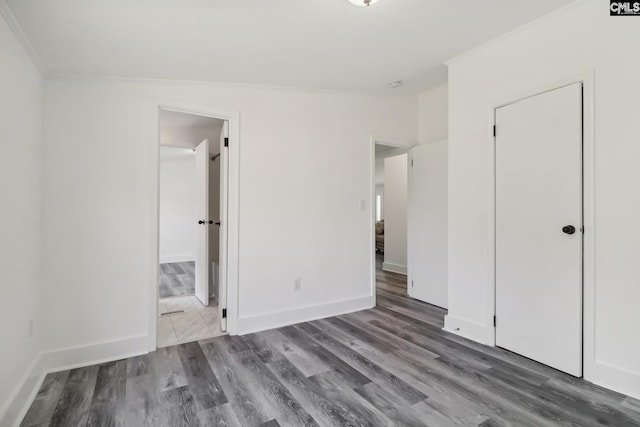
<point x="168" y="313"/>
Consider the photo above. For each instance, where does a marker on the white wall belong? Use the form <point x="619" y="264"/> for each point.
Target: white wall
<point x="535" y="57"/>
<point x="433" y="115"/>
<point x="379" y="171"/>
<point x="380" y="192"/>
<point x="296" y="220"/>
<point x="395" y="214"/>
<point x="20" y="218"/>
<point x="379" y="161"/>
<point x="178" y="205"/>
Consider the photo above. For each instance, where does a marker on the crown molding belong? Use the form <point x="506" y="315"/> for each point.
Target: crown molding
<point x="483" y="46"/>
<point x="15" y="27"/>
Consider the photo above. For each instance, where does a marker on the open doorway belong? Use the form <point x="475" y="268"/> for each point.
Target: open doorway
<point x="411" y="222"/>
<point x="391" y="187"/>
<point x="192" y="204"/>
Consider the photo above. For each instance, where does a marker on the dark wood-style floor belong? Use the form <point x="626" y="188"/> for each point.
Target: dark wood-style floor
<point x="392" y="365"/>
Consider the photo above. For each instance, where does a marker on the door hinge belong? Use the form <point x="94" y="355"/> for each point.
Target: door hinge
<point x="494" y="131"/>
<point x="412" y="283"/>
<point x="224" y="313"/>
<point x="411" y="162"/>
<point x="494" y="320"/>
<point x="226" y="142"/>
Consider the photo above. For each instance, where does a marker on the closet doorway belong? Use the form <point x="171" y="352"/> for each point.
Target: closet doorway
<point x="192" y="227"/>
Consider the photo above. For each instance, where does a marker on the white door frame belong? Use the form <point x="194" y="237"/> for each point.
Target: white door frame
<point x="233" y="117"/>
<point x="372" y="203"/>
<point x="588" y="200"/>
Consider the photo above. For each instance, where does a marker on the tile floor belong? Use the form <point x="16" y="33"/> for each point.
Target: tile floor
<point x="177" y="279"/>
<point x="193" y="321"/>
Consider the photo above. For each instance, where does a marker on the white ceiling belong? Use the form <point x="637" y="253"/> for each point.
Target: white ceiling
<point x="381" y="148"/>
<point x="188" y="130"/>
<point x="327" y="44"/>
<point x="170" y="119"/>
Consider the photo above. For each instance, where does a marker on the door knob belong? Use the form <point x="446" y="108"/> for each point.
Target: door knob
<point x="218" y="223"/>
<point x="210" y="222"/>
<point x="201" y="222"/>
<point x="568" y="229"/>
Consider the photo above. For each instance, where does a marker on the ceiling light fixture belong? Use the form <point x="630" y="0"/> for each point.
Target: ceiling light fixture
<point x="395" y="84"/>
<point x="363" y="2"/>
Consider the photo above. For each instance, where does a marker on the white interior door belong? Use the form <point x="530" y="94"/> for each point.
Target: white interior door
<point x="202" y="249"/>
<point x="224" y="197"/>
<point x="538" y="197"/>
<point x="428" y="223"/>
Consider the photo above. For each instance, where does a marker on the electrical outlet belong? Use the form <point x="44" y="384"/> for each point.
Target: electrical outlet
<point x="30" y="329"/>
<point x="297" y="284"/>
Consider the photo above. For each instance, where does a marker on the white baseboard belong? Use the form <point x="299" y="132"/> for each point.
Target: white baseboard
<point x="262" y="322"/>
<point x="394" y="268"/>
<point x="61" y="360"/>
<point x="76" y="357"/>
<point x="176" y="258"/>
<point x="16" y="406"/>
<point x="614" y="378"/>
<point x="14" y="410"/>
<point x="602" y="374"/>
<point x="470" y="330"/>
